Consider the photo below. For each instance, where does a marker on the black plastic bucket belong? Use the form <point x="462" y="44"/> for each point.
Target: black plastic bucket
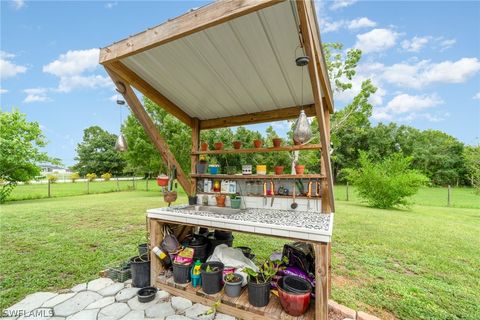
<point x="142" y="249"/>
<point x="258" y="293"/>
<point x="140" y="267"/>
<point x="181" y="273"/>
<point x="296" y="285"/>
<point x="212" y="281"/>
<point x="213" y="242"/>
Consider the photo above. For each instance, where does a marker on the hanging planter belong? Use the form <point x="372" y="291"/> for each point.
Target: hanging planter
<point x="170" y="196"/>
<point x="162" y="180"/>
<point x="302" y="132"/>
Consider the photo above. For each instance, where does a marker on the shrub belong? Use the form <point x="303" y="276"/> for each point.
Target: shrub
<point x="74" y="176"/>
<point x="91" y="176"/>
<point x="106" y="176"/>
<point x="388" y="183"/>
<point x="52" y="178"/>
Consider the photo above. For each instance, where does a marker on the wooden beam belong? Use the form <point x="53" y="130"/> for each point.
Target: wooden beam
<point x="145" y="88"/>
<point x="194" y="156"/>
<point x="321" y="287"/>
<point x="135" y="105"/>
<point x="261" y="150"/>
<point x="184" y="25"/>
<point x="257" y="117"/>
<point x="317" y="93"/>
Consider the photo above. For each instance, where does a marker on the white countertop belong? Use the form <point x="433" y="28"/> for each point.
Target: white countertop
<point x="294" y="224"/>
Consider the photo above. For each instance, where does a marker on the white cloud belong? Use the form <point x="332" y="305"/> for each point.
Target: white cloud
<point x="9" y="69"/>
<point x="18" y="4"/>
<point x="406" y="107"/>
<point x="415" y="44"/>
<point x="446" y="44"/>
<point x="477" y="96"/>
<point x="2" y="91"/>
<point x="331" y="26"/>
<point x="359" y="23"/>
<point x="376" y="40"/>
<point x="340" y="4"/>
<point x="36" y="95"/>
<point x="110" y="5"/>
<point x="72" y="67"/>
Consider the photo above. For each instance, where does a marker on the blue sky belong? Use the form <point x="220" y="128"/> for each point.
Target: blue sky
<point x="423" y="56"/>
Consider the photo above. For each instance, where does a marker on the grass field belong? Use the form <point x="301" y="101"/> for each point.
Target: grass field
<point x="420" y="263"/>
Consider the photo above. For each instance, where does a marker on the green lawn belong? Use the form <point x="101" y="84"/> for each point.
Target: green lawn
<point x="421" y="263"/>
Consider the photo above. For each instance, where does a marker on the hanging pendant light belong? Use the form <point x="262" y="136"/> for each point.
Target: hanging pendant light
<point x="121" y="143"/>
<point x="302" y="132"/>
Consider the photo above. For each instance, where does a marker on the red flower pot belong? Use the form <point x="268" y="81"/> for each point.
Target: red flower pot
<point x="299" y="169"/>
<point x="220" y="200"/>
<point x="277" y="142"/>
<point x="257" y="143"/>
<point x="295" y="304"/>
<point x="162" y="181"/>
<point x="204" y="146"/>
<point x="237" y="144"/>
<point x="278" y="169"/>
<point x="218" y="145"/>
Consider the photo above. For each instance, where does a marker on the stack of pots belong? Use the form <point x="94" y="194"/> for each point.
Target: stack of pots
<point x="294" y="293"/>
<point x="199" y="244"/>
<point x="219" y="237"/>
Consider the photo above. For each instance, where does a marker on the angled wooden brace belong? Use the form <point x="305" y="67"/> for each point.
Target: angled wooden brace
<point x="136" y="106"/>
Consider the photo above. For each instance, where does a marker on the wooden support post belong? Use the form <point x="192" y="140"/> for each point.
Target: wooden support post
<point x="135" y="105"/>
<point x="321" y="287"/>
<point x="156" y="236"/>
<point x="194" y="157"/>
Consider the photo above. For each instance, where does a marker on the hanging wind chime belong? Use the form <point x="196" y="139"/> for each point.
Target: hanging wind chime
<point x="302" y="132"/>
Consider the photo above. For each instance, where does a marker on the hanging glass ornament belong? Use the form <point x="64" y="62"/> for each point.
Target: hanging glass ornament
<point x="121" y="143"/>
<point x="302" y="132"/>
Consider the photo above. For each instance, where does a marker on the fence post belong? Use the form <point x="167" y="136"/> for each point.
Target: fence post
<point x="49" y="188"/>
<point x="146" y="184"/>
<point x="88" y="186"/>
<point x="448" y="196"/>
<point x="133" y="181"/>
<point x="347" y="190"/>
<point x="118" y="186"/>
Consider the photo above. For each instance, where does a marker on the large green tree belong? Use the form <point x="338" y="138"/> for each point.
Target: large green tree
<point x="97" y="154"/>
<point x="471" y="155"/>
<point x="20" y="151"/>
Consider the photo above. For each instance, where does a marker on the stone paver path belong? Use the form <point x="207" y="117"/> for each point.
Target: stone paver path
<point x="103" y="299"/>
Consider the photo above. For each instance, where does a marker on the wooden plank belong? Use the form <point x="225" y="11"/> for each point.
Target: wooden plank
<point x="194" y="157"/>
<point x="259" y="176"/>
<point x="156" y="236"/>
<point x="184" y="25"/>
<point x="260" y="150"/>
<point x="257" y="117"/>
<point x="136" y="106"/>
<point x="317" y="93"/>
<point x="321" y="281"/>
<point x="144" y="87"/>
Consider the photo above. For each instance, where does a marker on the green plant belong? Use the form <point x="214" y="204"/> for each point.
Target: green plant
<point x="388" y="183"/>
<point x="91" y="176"/>
<point x="232" y="277"/>
<point x="266" y="271"/>
<point x="74" y="176"/>
<point x="234" y="196"/>
<point x="52" y="178"/>
<point x="106" y="176"/>
<point x="211" y="269"/>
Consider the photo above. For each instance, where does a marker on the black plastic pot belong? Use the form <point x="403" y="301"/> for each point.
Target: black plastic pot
<point x="246" y="251"/>
<point x="214" y="242"/>
<point x="258" y="293"/>
<point x="181" y="273"/>
<point x="142" y="249"/>
<point x="212" y="281"/>
<point x="234" y="289"/>
<point x="146" y="294"/>
<point x="200" y="253"/>
<point x="192" y="200"/>
<point x="140" y="267"/>
<point x="295" y="284"/>
<point x="222" y="235"/>
<point x="203" y="231"/>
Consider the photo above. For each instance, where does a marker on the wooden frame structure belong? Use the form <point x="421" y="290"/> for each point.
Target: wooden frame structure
<point x="113" y="59"/>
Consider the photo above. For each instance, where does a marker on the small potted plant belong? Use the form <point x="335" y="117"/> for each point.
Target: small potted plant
<point x="299" y="169"/>
<point x="235" y="201"/>
<point x="204" y="146"/>
<point x="218" y="145"/>
<point x="211" y="273"/>
<point x="214" y="167"/>
<point x="259" y="282"/>
<point x="277" y="142"/>
<point x="202" y="165"/>
<point x="237" y="144"/>
<point x="220" y="198"/>
<point x="233" y="284"/>
<point x="279" y="170"/>
<point x="257" y="143"/>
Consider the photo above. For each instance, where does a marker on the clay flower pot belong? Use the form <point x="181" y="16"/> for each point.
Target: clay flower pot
<point x="279" y="169"/>
<point x="299" y="169"/>
<point x="162" y="181"/>
<point x="257" y="143"/>
<point x="220" y="200"/>
<point x="277" y="142"/>
<point x="218" y="145"/>
<point x="204" y="146"/>
<point x="237" y="144"/>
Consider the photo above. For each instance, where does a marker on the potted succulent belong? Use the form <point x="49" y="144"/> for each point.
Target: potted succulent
<point x="204" y="146"/>
<point x="277" y="142"/>
<point x="202" y="165"/>
<point x="257" y="143"/>
<point x="279" y="170"/>
<point x="220" y="200"/>
<point x="237" y="144"/>
<point x="218" y="145"/>
<point x="235" y="201"/>
<point x="211" y="273"/>
<point x="259" y="282"/>
<point x="233" y="284"/>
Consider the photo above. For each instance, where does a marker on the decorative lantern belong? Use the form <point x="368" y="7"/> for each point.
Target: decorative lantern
<point x="302" y="132"/>
<point x="121" y="143"/>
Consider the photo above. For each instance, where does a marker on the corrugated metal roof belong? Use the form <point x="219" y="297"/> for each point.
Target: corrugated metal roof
<point x="241" y="66"/>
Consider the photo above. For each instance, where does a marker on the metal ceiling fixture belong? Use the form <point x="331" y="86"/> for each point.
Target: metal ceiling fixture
<point x="121" y="143"/>
<point x="302" y="132"/>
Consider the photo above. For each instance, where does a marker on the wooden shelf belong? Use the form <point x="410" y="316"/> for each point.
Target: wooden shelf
<point x="258" y="176"/>
<point x="255" y="150"/>
<point x="268" y="196"/>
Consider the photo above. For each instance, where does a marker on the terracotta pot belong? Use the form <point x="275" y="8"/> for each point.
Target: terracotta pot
<point x="237" y="144"/>
<point x="162" y="181"/>
<point x="299" y="169"/>
<point x="204" y="146"/>
<point x="279" y="169"/>
<point x="220" y="200"/>
<point x="277" y="142"/>
<point x="218" y="145"/>
<point x="257" y="143"/>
